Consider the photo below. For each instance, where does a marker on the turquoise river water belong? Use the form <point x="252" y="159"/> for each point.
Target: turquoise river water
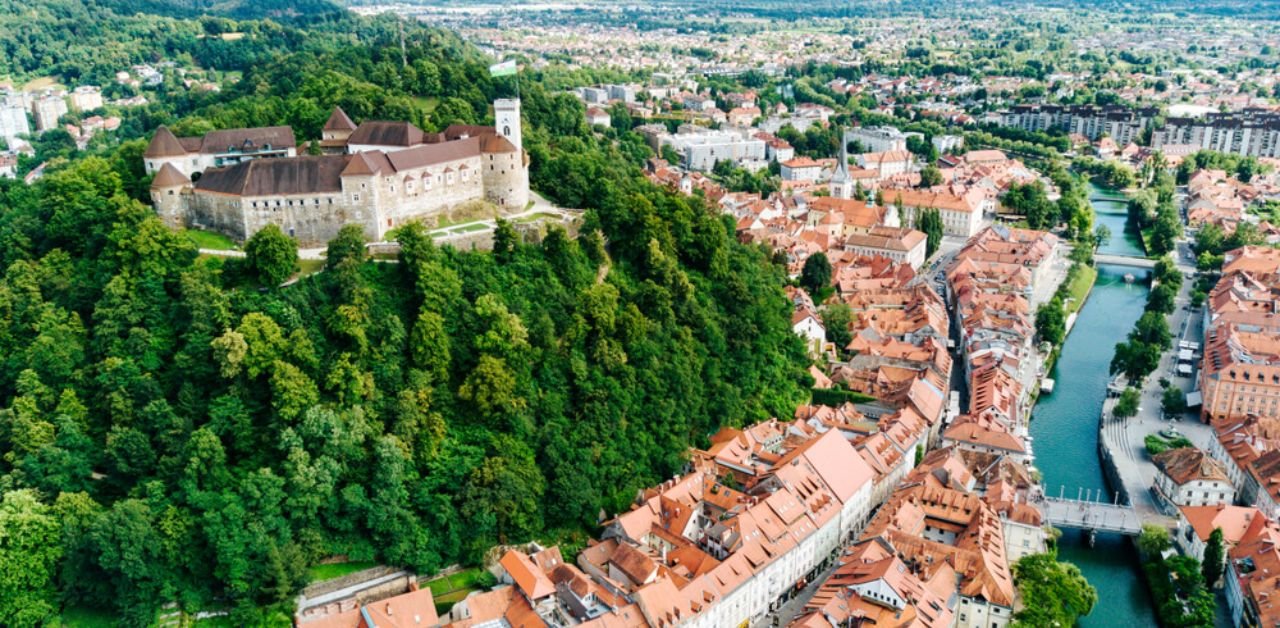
<point x="1064" y="424"/>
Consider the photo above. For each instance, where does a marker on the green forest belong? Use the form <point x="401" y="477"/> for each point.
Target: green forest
<point x="173" y="431"/>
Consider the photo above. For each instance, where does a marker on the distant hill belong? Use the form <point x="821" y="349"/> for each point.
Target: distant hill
<point x="236" y="9"/>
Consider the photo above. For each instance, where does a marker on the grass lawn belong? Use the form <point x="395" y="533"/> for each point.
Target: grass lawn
<point x="210" y="240"/>
<point x="310" y="266"/>
<point x="1079" y="288"/>
<point x="477" y="226"/>
<point x="83" y="616"/>
<point x="47" y="82"/>
<point x="317" y="573"/>
<point x="535" y="217"/>
<point x="428" y="104"/>
<point x="451" y="589"/>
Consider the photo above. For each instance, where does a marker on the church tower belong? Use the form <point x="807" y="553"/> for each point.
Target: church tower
<point x="841" y="185"/>
<point x="506" y="119"/>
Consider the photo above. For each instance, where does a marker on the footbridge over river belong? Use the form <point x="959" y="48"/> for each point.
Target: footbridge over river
<point x="1093" y="516"/>
<point x="1124" y="260"/>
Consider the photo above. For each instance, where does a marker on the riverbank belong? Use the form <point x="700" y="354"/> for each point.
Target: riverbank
<point x="1066" y="437"/>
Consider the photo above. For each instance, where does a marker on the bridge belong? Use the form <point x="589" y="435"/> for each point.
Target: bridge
<point x="1092" y="516"/>
<point x="1123" y="260"/>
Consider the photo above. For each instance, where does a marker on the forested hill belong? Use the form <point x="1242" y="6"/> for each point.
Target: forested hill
<point x="171" y="431"/>
<point x="91" y="39"/>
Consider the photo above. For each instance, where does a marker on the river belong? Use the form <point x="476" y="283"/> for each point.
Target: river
<point x="1065" y="424"/>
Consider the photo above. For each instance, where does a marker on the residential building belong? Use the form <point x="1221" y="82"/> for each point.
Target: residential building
<point x="899" y="244"/>
<point x="801" y="169"/>
<point x="1253" y="577"/>
<point x="701" y="149"/>
<point x="887" y="163"/>
<point x="877" y="139"/>
<point x="874" y="586"/>
<point x="598" y="116"/>
<point x="1190" y="477"/>
<point x="13" y="117"/>
<point x="1123" y="124"/>
<point x="962" y="215"/>
<point x="943" y="528"/>
<point x="1197" y="523"/>
<point x="47" y="109"/>
<point x="86" y="98"/>
<point x="1252" y="132"/>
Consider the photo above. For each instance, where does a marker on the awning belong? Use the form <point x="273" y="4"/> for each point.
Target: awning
<point x="1193" y="399"/>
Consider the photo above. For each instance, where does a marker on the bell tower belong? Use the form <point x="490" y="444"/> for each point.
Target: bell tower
<point x="506" y="119"/>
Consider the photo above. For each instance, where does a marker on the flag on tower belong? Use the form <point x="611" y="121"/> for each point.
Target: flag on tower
<point x="506" y="68"/>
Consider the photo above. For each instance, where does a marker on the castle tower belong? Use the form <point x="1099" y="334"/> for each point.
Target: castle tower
<point x="506" y="119"/>
<point x="337" y="130"/>
<point x="165" y="149"/>
<point x="169" y="191"/>
<point x="841" y="185"/>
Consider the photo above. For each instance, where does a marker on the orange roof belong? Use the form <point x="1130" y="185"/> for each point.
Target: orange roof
<point x="531" y="580"/>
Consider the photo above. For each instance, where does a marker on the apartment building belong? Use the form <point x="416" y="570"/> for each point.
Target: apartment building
<point x="1252" y="132"/>
<point x="1122" y="124"/>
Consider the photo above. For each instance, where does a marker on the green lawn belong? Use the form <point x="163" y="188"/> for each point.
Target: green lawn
<point x="310" y="266"/>
<point x="317" y="573"/>
<point x="1079" y="287"/>
<point x="210" y="240"/>
<point x="45" y="82"/>
<point x="85" y="617"/>
<point x="449" y="590"/>
<point x="427" y="104"/>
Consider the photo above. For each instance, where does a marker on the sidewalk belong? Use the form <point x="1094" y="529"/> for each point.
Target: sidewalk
<point x="1126" y="438"/>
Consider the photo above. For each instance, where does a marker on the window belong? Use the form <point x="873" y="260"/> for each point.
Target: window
<point x="356" y="197"/>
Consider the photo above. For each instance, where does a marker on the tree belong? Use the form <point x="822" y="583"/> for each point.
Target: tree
<point x="348" y="244"/>
<point x="1053" y="593"/>
<point x="1127" y="405"/>
<point x="836" y="317"/>
<point x="1215" y="554"/>
<point x="30" y="549"/>
<point x="1153" y="540"/>
<point x="1172" y="401"/>
<point x="271" y="255"/>
<point x="1152" y="329"/>
<point x="1051" y="321"/>
<point x="1136" y="360"/>
<point x="930" y="223"/>
<point x="816" y="274"/>
<point x="930" y="176"/>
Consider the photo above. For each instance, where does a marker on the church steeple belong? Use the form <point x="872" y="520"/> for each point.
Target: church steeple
<point x="841" y="185"/>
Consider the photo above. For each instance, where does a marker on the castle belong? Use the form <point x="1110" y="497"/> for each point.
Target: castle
<point x="378" y="174"/>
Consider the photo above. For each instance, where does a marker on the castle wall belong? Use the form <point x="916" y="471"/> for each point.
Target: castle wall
<point x="407" y="195"/>
<point x="216" y="212"/>
<point x="312" y="219"/>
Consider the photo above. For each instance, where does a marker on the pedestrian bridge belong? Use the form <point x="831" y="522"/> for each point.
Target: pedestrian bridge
<point x="1092" y="516"/>
<point x="1123" y="260"/>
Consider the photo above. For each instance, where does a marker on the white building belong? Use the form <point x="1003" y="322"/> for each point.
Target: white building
<point x="13" y="118"/>
<point x="1190" y="477"/>
<point x="47" y="109"/>
<point x="702" y="149"/>
<point x="899" y="244"/>
<point x="801" y="169"/>
<point x="86" y="98"/>
<point x="877" y="139"/>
